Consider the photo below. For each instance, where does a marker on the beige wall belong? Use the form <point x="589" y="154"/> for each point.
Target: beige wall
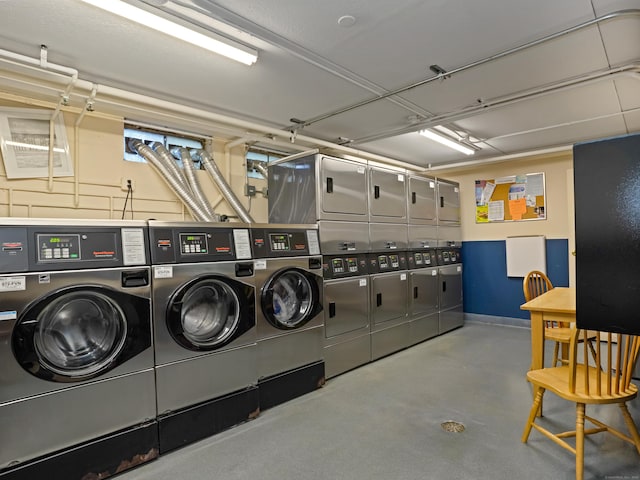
<point x="98" y="193"/>
<point x="558" y="170"/>
<point x="557" y="223"/>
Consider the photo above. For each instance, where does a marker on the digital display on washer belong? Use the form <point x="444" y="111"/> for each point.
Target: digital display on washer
<point x="193" y="243"/>
<point x="337" y="265"/>
<point x="418" y="258"/>
<point x="395" y="261"/>
<point x="54" y="247"/>
<point x="352" y="264"/>
<point x="383" y="261"/>
<point x="279" y="242"/>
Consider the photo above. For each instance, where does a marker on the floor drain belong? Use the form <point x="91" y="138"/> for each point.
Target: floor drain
<point x="453" y="427"/>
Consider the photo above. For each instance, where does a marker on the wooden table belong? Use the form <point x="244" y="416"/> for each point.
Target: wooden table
<point x="558" y="304"/>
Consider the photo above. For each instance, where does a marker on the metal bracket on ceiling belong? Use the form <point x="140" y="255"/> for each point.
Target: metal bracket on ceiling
<point x="438" y="70"/>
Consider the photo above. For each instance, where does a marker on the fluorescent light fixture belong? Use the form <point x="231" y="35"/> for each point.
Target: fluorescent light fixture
<point x="211" y="41"/>
<point x="430" y="134"/>
<point x="31" y="146"/>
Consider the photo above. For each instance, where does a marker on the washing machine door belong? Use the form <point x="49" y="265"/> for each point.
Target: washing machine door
<point x="290" y="298"/>
<point x="79" y="333"/>
<point x="210" y="312"/>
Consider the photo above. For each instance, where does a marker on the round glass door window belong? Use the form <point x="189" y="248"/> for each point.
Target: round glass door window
<point x="79" y="333"/>
<point x="291" y="299"/>
<point x="210" y="313"/>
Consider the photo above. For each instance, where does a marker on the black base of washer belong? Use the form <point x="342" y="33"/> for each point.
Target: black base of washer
<point x="97" y="459"/>
<point x="205" y="419"/>
<point x="288" y="385"/>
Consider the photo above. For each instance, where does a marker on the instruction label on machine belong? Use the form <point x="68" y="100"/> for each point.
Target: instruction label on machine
<point x="133" y="246"/>
<point x="312" y="241"/>
<point x="242" y="243"/>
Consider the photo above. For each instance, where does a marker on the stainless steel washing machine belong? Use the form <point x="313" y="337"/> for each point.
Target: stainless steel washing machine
<point x="77" y="391"/>
<point x="290" y="324"/>
<point x="204" y="329"/>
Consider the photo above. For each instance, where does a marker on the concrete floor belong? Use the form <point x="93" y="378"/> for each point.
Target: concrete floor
<point x="383" y="421"/>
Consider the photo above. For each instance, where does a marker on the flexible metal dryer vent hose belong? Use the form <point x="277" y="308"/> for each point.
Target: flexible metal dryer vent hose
<point x="166" y="173"/>
<point x="210" y="166"/>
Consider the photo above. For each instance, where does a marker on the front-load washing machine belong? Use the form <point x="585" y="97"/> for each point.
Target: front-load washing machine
<point x="77" y="392"/>
<point x="290" y="325"/>
<point x="204" y="329"/>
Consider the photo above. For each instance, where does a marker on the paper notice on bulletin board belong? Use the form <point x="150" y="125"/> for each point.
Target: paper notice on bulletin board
<point x="511" y="198"/>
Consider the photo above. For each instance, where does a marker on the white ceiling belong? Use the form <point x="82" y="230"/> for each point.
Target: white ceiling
<point x="310" y="68"/>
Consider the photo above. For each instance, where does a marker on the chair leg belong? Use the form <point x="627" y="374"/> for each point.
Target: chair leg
<point x="532" y="415"/>
<point x="579" y="441"/>
<point x="556" y="347"/>
<point x="628" y="420"/>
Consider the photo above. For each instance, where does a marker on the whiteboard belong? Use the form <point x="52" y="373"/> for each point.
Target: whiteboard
<point x="525" y="254"/>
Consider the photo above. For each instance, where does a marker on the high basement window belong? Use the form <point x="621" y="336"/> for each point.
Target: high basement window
<point x="149" y="136"/>
<point x="256" y="157"/>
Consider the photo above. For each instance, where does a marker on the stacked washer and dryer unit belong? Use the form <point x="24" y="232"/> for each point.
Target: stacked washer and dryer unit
<point x="77" y="387"/>
<point x="380" y="237"/>
<point x="206" y="355"/>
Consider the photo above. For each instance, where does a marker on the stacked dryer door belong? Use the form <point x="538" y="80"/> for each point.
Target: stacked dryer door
<point x="290" y="324"/>
<point x="448" y="202"/>
<point x="204" y="326"/>
<point x="424" y="284"/>
<point x="310" y="188"/>
<point x="347" y="342"/>
<point x="77" y="391"/>
<point x="388" y="279"/>
<point x="387" y="195"/>
<point x="450" y="278"/>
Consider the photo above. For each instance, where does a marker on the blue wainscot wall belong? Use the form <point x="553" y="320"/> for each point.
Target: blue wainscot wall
<point x="491" y="296"/>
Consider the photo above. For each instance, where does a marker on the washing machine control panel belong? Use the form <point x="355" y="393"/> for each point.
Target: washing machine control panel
<point x="334" y="266"/>
<point x="193" y="243"/>
<point x="59" y="247"/>
<point x="73" y="246"/>
<point x="284" y="242"/>
<point x="199" y="244"/>
<point x="421" y="259"/>
<point x="387" y="262"/>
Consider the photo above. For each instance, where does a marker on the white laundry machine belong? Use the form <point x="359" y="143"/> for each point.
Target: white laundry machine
<point x="77" y="391"/>
<point x="290" y="325"/>
<point x="204" y="329"/>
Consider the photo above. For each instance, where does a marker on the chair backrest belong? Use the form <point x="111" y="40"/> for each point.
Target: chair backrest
<point x="616" y="355"/>
<point x="534" y="284"/>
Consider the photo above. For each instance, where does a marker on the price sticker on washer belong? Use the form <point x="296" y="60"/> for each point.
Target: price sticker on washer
<point x="403" y="276"/>
<point x="260" y="265"/>
<point x="13" y="284"/>
<point x="363" y="282"/>
<point x="163" y="272"/>
<point x="8" y="315"/>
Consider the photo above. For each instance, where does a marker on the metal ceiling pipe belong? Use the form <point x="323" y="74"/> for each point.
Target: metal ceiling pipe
<point x="190" y="173"/>
<point x="165" y="173"/>
<point x="632" y="12"/>
<point x="217" y="177"/>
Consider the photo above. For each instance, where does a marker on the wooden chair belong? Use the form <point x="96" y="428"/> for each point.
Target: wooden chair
<point x="534" y="284"/>
<point x="586" y="384"/>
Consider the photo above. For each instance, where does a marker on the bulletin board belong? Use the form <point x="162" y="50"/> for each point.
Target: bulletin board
<point x="512" y="198"/>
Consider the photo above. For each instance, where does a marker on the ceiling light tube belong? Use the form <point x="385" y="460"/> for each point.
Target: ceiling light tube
<point x="446" y="141"/>
<point x="212" y="42"/>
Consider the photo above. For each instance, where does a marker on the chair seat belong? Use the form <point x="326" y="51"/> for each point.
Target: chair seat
<point x="555" y="379"/>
